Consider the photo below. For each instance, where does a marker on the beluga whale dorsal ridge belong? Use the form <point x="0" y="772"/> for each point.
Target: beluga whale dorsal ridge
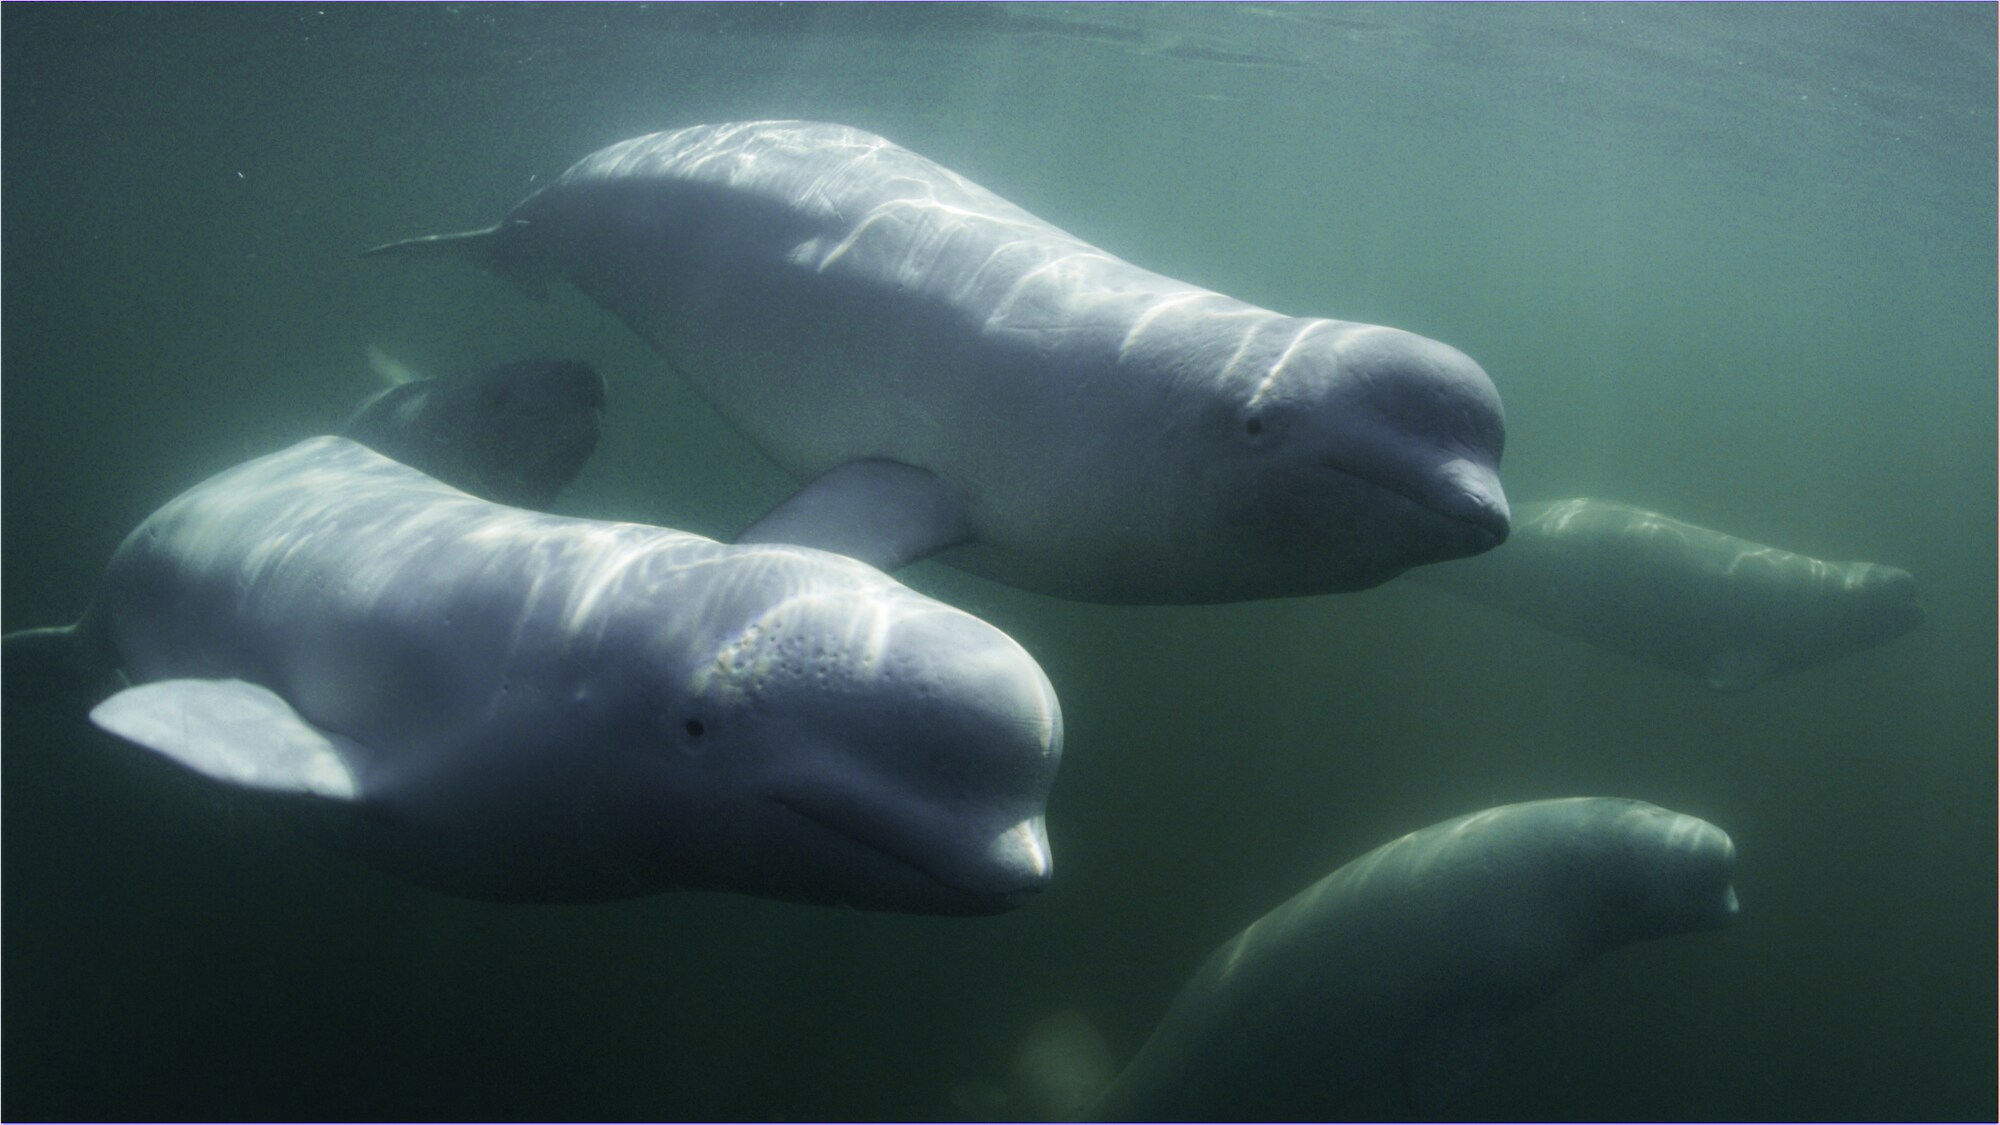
<point x="512" y="705"/>
<point x="1038" y="410"/>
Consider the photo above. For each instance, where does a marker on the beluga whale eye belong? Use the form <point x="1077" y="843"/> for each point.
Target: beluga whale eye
<point x="1253" y="425"/>
<point x="694" y="728"/>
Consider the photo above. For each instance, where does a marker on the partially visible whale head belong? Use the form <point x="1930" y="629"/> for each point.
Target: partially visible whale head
<point x="884" y="750"/>
<point x="1372" y="448"/>
<point x="515" y="434"/>
<point x="1885" y="602"/>
<point x="1654" y="872"/>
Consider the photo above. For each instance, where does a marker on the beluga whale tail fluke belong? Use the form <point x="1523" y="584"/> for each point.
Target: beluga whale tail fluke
<point x="1020" y="403"/>
<point x="66" y="668"/>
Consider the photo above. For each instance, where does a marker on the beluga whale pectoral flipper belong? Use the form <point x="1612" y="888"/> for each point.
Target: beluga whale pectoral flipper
<point x="1021" y="403"/>
<point x="506" y="704"/>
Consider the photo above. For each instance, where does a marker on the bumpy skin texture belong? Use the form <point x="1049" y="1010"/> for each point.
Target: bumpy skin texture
<point x="559" y="709"/>
<point x="1725" y="610"/>
<point x="1399" y="966"/>
<point x="1111" y="434"/>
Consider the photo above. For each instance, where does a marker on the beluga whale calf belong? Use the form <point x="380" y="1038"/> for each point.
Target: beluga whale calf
<point x="952" y="374"/>
<point x="512" y="705"/>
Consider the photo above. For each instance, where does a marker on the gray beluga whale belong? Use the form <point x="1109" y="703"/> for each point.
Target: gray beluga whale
<point x="516" y="433"/>
<point x="512" y="705"/>
<point x="1726" y="610"/>
<point x="1403" y="965"/>
<point x="951" y="373"/>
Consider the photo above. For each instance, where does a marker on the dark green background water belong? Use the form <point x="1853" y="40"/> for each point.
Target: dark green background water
<point x="1732" y="263"/>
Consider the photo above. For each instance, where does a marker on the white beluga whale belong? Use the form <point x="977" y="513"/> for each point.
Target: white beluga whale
<point x="951" y="373"/>
<point x="1403" y="966"/>
<point x="1726" y="610"/>
<point x="512" y="705"/>
<point x="516" y="433"/>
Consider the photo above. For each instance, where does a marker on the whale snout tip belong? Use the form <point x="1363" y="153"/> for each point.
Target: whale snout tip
<point x="1715" y="856"/>
<point x="1471" y="494"/>
<point x="1019" y="860"/>
<point x="1897" y="589"/>
<point x="1003" y="873"/>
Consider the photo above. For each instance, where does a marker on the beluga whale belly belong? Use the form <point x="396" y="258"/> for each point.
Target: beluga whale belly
<point x="512" y="705"/>
<point x="952" y="374"/>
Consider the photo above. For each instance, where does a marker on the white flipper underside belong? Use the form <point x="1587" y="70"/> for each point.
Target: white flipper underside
<point x="234" y="732"/>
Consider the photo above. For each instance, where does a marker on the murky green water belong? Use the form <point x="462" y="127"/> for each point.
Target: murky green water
<point x="1732" y="262"/>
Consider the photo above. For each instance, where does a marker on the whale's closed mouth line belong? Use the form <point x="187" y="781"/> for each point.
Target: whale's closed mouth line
<point x="900" y="860"/>
<point x="1481" y="521"/>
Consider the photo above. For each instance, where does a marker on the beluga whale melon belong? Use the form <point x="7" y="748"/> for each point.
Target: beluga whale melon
<point x="950" y="373"/>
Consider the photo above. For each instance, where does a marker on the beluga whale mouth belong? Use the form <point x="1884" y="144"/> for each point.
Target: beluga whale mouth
<point x="1420" y="420"/>
<point x="908" y="750"/>
<point x="1461" y="491"/>
<point x="1000" y="875"/>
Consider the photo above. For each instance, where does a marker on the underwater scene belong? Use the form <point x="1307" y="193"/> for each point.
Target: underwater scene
<point x="1171" y="562"/>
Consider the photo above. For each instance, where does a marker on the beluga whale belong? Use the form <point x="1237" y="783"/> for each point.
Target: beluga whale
<point x="952" y="375"/>
<point x="1403" y="967"/>
<point x="512" y="705"/>
<point x="1729" y="611"/>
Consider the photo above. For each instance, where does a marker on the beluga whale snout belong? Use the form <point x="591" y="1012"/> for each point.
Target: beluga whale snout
<point x="1412" y="431"/>
<point x="951" y="375"/>
<point x="918" y="743"/>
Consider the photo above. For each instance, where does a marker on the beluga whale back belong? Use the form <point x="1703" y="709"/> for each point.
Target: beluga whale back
<point x="953" y="374"/>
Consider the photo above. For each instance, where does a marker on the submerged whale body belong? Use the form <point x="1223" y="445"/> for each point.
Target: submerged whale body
<point x="506" y="704"/>
<point x="953" y="374"/>
<point x="1403" y="966"/>
<point x="1725" y="610"/>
